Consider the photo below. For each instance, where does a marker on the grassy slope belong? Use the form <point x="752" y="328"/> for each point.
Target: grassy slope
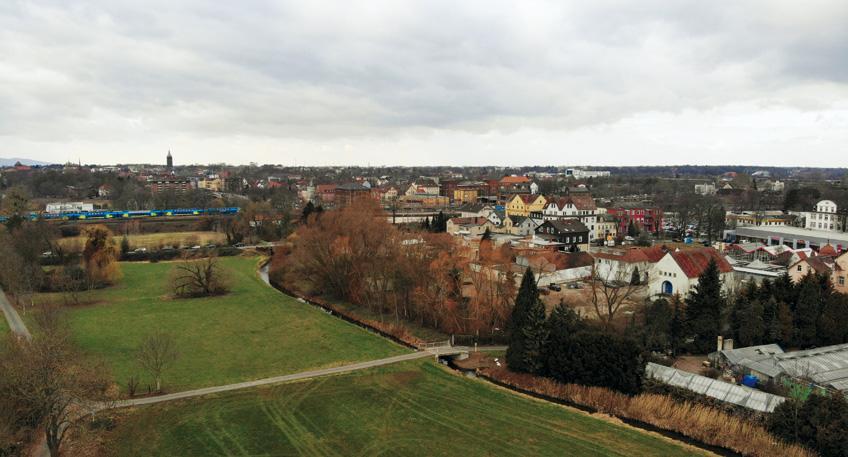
<point x="254" y="332"/>
<point x="4" y="326"/>
<point x="409" y="409"/>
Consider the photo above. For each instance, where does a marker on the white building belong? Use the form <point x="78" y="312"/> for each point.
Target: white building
<point x="705" y="189"/>
<point x="677" y="272"/>
<point x="69" y="207"/>
<point x="824" y="217"/>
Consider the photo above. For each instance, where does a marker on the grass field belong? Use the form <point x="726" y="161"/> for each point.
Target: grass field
<point x="411" y="409"/>
<point x="252" y="333"/>
<point x="153" y="241"/>
<point x="4" y="326"/>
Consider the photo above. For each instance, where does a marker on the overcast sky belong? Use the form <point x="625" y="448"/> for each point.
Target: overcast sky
<point x="425" y="82"/>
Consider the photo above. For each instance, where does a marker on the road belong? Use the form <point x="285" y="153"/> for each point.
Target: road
<point x="12" y="317"/>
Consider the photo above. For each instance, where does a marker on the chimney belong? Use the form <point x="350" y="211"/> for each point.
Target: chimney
<point x="728" y="344"/>
<point x="720" y="342"/>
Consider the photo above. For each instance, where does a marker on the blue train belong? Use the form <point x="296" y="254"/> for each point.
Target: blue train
<point x="84" y="215"/>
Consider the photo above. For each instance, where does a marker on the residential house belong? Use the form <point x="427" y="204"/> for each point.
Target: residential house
<point x="511" y="185"/>
<point x="497" y="216"/>
<point x="570" y="232"/>
<point x="646" y="216"/>
<point x="519" y="225"/>
<point x="580" y="207"/>
<point x="524" y="204"/>
<point x="824" y="217"/>
<point x="423" y="186"/>
<point x="469" y="226"/>
<point x="606" y="227"/>
<point x="821" y="265"/>
<point x="678" y="271"/>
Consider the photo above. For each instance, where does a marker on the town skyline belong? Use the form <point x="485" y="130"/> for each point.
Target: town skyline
<point x="426" y="84"/>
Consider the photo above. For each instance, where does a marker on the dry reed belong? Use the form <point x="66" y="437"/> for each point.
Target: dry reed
<point x="701" y="423"/>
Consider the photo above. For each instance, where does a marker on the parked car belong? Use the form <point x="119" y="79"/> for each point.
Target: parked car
<point x="168" y="248"/>
<point x="629" y="238"/>
<point x="211" y="246"/>
<point x="195" y="247"/>
<point x="239" y="245"/>
<point x="555" y="287"/>
<point x="141" y="250"/>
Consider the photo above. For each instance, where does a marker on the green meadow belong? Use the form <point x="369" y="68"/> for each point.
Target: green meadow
<point x="415" y="408"/>
<point x="251" y="333"/>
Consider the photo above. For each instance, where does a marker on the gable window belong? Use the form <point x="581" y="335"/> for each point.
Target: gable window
<point x="842" y="280"/>
<point x="799" y="267"/>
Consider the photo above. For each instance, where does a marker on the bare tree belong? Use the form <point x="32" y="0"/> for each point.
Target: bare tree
<point x="46" y="381"/>
<point x="199" y="278"/>
<point x="610" y="288"/>
<point x="156" y="353"/>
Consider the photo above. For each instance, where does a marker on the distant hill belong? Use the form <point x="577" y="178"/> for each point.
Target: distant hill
<point x="13" y="160"/>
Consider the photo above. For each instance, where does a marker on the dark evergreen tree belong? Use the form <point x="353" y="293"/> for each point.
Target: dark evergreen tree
<point x="535" y="336"/>
<point x="807" y="311"/>
<point x="595" y="358"/>
<point x="656" y="333"/>
<point x="632" y="229"/>
<point x="820" y="423"/>
<point x="487" y="235"/>
<point x="748" y="323"/>
<point x="783" y="290"/>
<point x="704" y="308"/>
<point x="678" y="328"/>
<point x="426" y="224"/>
<point x="528" y="295"/>
<point x="635" y="280"/>
<point x="308" y="209"/>
<point x="562" y="324"/>
<point x="833" y="321"/>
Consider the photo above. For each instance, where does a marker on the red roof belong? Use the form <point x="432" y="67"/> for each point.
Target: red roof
<point x="326" y="187"/>
<point x="655" y="253"/>
<point x="515" y="180"/>
<point x="828" y="250"/>
<point x="527" y="198"/>
<point x="693" y="262"/>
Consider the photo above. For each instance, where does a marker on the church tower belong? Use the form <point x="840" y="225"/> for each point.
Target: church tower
<point x="170" y="161"/>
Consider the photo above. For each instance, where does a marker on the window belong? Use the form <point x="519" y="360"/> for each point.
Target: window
<point x="799" y="267"/>
<point x="842" y="280"/>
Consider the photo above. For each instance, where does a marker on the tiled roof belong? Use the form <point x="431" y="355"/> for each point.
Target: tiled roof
<point x="325" y="187"/>
<point x="693" y="262"/>
<point x="827" y="250"/>
<point x="528" y="198"/>
<point x="816" y="264"/>
<point x="515" y="180"/>
<point x="568" y="225"/>
<point x="655" y="253"/>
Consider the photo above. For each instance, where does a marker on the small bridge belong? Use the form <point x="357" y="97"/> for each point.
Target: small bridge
<point x="445" y="349"/>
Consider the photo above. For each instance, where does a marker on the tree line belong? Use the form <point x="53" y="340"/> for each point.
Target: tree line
<point x="805" y="314"/>
<point x="354" y="254"/>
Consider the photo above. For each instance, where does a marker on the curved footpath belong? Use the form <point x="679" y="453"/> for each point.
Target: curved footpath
<point x="12" y="317"/>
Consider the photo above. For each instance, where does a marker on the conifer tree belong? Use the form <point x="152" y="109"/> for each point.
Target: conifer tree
<point x="528" y="295"/>
<point x="704" y="308"/>
<point x="807" y="312"/>
<point x="487" y="235"/>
